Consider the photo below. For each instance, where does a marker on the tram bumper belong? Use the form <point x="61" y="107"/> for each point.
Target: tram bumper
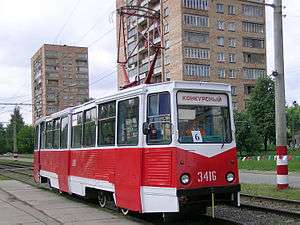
<point x="203" y="196"/>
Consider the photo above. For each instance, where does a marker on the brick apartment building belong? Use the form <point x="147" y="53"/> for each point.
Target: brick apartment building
<point x="60" y="78"/>
<point x="204" y="40"/>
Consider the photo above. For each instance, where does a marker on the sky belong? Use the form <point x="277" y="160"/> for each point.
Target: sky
<point x="26" y="25"/>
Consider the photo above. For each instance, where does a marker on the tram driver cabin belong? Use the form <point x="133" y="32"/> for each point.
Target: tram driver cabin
<point x="151" y="148"/>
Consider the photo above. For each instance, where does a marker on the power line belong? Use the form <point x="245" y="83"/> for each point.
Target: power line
<point x="68" y="18"/>
<point x="102" y="36"/>
<point x="93" y="26"/>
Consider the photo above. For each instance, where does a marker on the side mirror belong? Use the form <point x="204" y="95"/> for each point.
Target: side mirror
<point x="145" y="128"/>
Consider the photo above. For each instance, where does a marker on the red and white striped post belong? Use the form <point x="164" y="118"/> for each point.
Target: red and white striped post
<point x="282" y="167"/>
<point x="280" y="115"/>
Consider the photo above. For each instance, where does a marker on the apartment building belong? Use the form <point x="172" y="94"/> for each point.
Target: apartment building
<point x="60" y="78"/>
<point x="204" y="40"/>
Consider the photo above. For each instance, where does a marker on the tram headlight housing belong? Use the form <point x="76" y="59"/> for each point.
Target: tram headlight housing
<point x="185" y="178"/>
<point x="230" y="177"/>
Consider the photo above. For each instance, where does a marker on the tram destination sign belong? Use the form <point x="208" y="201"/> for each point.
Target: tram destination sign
<point x="206" y="99"/>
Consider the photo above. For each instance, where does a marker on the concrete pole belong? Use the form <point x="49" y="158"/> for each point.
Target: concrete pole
<point x="281" y="130"/>
<point x="15" y="150"/>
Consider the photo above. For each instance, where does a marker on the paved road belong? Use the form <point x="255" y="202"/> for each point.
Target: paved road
<point x="266" y="177"/>
<point x="27" y="205"/>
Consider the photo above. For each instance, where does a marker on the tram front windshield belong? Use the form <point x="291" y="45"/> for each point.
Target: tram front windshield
<point x="203" y="118"/>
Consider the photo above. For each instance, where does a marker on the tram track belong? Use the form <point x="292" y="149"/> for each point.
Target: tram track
<point x="250" y="205"/>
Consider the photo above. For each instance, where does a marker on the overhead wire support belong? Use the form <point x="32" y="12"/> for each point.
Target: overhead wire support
<point x="126" y="13"/>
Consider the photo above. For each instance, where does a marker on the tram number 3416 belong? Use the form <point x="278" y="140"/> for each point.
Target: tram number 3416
<point x="207" y="176"/>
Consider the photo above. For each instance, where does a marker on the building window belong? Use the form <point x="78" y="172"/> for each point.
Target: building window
<point x="221" y="25"/>
<point x="252" y="10"/>
<point x="221" y="57"/>
<point x="253" y="27"/>
<point x="232" y="42"/>
<point x="196" y="4"/>
<point x="168" y="76"/>
<point x="231" y="26"/>
<point x="253" y="74"/>
<point x="166" y="11"/>
<point x="254" y="58"/>
<point x="128" y="122"/>
<point x="106" y="124"/>
<point x="248" y="89"/>
<point x="233" y="90"/>
<point x="196" y="70"/>
<point x="219" y="8"/>
<point x="196" y="21"/>
<point x="231" y="10"/>
<point x="220" y="41"/>
<point x="234" y="105"/>
<point x="196" y="37"/>
<point x="232" y="74"/>
<point x="166" y="28"/>
<point x="167" y="44"/>
<point x="196" y="53"/>
<point x="167" y="59"/>
<point x="253" y="42"/>
<point x="221" y="73"/>
<point x="89" y="128"/>
<point x="232" y="58"/>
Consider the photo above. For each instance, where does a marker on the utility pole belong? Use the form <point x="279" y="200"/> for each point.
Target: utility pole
<point x="280" y="115"/>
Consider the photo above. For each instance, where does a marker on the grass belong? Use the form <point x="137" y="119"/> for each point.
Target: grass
<point x="3" y="178"/>
<point x="267" y="165"/>
<point x="270" y="191"/>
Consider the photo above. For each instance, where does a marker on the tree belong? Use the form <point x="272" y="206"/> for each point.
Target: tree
<point x="247" y="137"/>
<point x="3" y="139"/>
<point x="25" y="139"/>
<point x="293" y="121"/>
<point x="15" y="120"/>
<point x="261" y="109"/>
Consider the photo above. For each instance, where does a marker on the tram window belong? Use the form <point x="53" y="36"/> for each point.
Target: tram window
<point x="106" y="124"/>
<point x="64" y="132"/>
<point x="36" y="136"/>
<point x="77" y="130"/>
<point x="42" y="135"/>
<point x="159" y="118"/>
<point x="49" y="135"/>
<point x="89" y="128"/>
<point x="56" y="130"/>
<point x="128" y="122"/>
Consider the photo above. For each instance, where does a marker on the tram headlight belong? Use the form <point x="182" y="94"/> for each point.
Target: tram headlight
<point x="185" y="178"/>
<point x="230" y="177"/>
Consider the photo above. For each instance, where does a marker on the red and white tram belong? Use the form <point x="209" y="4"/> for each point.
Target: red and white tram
<point x="152" y="148"/>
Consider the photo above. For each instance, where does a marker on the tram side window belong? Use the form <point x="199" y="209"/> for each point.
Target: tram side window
<point x="42" y="135"/>
<point x="77" y="130"/>
<point x="64" y="132"/>
<point x="36" y="137"/>
<point x="49" y="135"/>
<point x="106" y="124"/>
<point x="159" y="118"/>
<point x="89" y="128"/>
<point x="56" y="131"/>
<point x="128" y="122"/>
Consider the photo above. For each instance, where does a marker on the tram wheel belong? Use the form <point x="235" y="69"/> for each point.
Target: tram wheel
<point x="102" y="199"/>
<point x="124" y="211"/>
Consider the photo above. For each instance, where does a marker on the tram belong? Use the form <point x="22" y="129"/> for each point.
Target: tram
<point x="152" y="148"/>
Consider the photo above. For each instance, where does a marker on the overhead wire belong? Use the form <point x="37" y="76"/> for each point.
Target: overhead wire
<point x="67" y="21"/>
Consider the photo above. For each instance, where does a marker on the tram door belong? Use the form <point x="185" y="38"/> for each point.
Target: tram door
<point x="129" y="156"/>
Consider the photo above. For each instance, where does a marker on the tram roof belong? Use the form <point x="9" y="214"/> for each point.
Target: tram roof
<point x="144" y="88"/>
